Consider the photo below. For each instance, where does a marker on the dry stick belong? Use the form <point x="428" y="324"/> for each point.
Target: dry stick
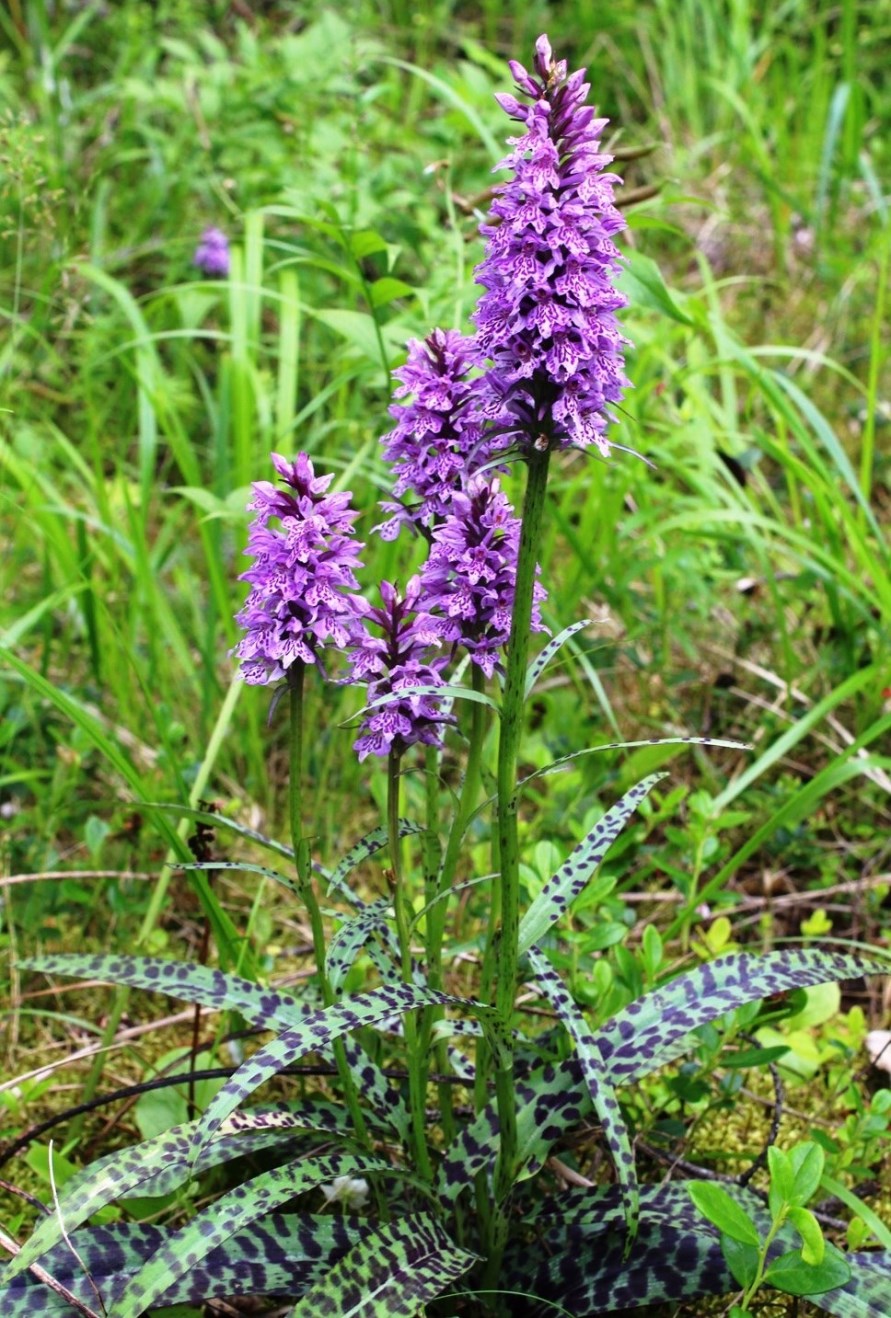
<point x="73" y="874"/>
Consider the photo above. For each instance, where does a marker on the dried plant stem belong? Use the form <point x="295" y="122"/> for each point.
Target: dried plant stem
<point x="307" y="892"/>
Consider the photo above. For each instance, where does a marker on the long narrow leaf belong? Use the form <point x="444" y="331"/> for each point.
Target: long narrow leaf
<point x="541" y="661"/>
<point x="264" y="1007"/>
<point x="317" y="1030"/>
<point x="164" y="1163"/>
<point x="654" y="1029"/>
<point x="395" y="1270"/>
<point x="603" y="1096"/>
<point x="569" y="882"/>
<point x="232" y="1212"/>
<point x="281" y="1256"/>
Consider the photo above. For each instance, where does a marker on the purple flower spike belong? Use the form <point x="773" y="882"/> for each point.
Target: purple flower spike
<point x="439" y="436"/>
<point x="547" y="318"/>
<point x="303" y="577"/>
<point x="470" y="576"/>
<point x="212" y="254"/>
<point x="400" y="658"/>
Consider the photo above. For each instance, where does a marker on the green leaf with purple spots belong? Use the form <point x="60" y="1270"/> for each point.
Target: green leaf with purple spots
<point x="572" y="877"/>
<point x="601" y="1091"/>
<point x="392" y="1273"/>
<point x="225" y="1217"/>
<point x="164" y="1163"/>
<point x="373" y="841"/>
<point x="654" y="1029"/>
<point x="317" y="1030"/>
<point x="541" y="660"/>
<point x="267" y="1008"/>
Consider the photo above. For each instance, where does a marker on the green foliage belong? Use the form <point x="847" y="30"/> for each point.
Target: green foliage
<point x="741" y="585"/>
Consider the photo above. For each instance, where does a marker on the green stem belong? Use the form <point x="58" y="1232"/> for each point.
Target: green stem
<point x="307" y="892"/>
<point x="505" y="941"/>
<point x="470" y="787"/>
<point x="402" y="907"/>
<point x="438" y="896"/>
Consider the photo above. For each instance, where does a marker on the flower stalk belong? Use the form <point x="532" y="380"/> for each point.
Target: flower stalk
<point x="303" y="861"/>
<point x="404" y="912"/>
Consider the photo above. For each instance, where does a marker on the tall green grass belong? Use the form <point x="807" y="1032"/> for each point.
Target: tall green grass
<point x="347" y="155"/>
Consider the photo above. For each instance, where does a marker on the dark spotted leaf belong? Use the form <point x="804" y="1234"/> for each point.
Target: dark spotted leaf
<point x="541" y="660"/>
<point x="228" y="1215"/>
<point x="550" y="1101"/>
<point x="654" y="1029"/>
<point x="317" y="1030"/>
<point x="351" y="937"/>
<point x="395" y="1270"/>
<point x="377" y="1092"/>
<point x="572" y="877"/>
<point x="267" y="1008"/>
<point x="369" y="845"/>
<point x="578" y="1259"/>
<point x="280" y="1256"/>
<point x="603" y="1096"/>
<point x="162" y="1164"/>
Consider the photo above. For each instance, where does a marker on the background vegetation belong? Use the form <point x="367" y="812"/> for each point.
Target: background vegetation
<point x="740" y="585"/>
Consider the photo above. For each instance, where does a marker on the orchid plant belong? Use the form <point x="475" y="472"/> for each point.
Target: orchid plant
<point x="381" y="1203"/>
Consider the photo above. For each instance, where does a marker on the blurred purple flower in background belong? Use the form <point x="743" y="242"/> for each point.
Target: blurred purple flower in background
<point x="470" y="576"/>
<point x="212" y="254"/>
<point x="438" y="439"/>
<point x="402" y="657"/>
<point x="547" y="319"/>
<point x="303" y="577"/>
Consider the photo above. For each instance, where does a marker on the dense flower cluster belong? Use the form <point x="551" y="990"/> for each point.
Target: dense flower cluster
<point x="212" y="254"/>
<point x="470" y="576"/>
<point x="438" y="439"/>
<point x="303" y="577"/>
<point x="402" y="657"/>
<point x="546" y="320"/>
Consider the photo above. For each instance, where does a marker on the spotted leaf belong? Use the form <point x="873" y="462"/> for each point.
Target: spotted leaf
<point x="267" y="1008"/>
<point x="654" y="1029"/>
<point x="228" y="1215"/>
<point x="164" y="1163"/>
<point x="373" y="841"/>
<point x="602" y="1093"/>
<point x="391" y="1273"/>
<point x="572" y="877"/>
<point x="317" y="1030"/>
<point x="541" y="660"/>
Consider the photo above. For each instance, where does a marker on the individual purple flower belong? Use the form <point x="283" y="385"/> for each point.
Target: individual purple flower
<point x="547" y="318"/>
<point x="212" y="254"/>
<point x="439" y="436"/>
<point x="303" y="577"/>
<point x="401" y="657"/>
<point x="470" y="575"/>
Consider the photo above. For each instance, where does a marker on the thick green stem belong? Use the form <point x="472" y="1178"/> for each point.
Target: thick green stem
<point x="403" y="909"/>
<point x="505" y="940"/>
<point x="307" y="892"/>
